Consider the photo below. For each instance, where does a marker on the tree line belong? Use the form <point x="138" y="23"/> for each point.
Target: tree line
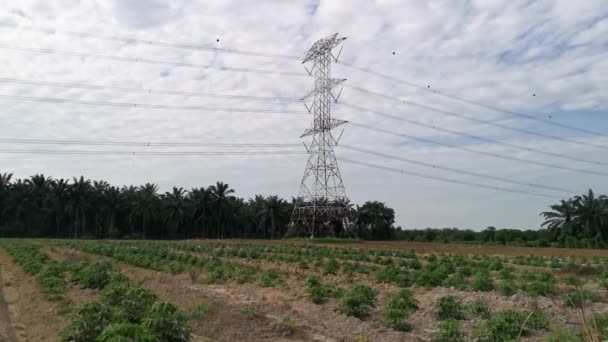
<point x="578" y="222"/>
<point x="41" y="206"/>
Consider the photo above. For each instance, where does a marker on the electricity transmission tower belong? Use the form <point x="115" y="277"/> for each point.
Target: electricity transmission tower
<point x="322" y="198"/>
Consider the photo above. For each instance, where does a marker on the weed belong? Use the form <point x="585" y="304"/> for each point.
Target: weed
<point x="561" y="334"/>
<point x="248" y="312"/>
<point x="199" y="311"/>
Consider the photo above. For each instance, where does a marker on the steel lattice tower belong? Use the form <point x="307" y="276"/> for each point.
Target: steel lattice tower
<point x="322" y="195"/>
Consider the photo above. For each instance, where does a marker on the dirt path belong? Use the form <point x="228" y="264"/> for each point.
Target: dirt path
<point x="6" y="328"/>
<point x="31" y="316"/>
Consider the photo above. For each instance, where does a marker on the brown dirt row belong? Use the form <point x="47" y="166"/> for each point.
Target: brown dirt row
<point x="430" y="247"/>
<point x="31" y="316"/>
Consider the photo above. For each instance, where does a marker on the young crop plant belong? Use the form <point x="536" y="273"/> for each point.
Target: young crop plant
<point x="541" y="284"/>
<point x="509" y="324"/>
<point x="507" y="288"/>
<point x="317" y="292"/>
<point x="92" y="275"/>
<point x="166" y="323"/>
<point x="448" y="331"/>
<point x="331" y="267"/>
<point x="478" y="308"/>
<point x="87" y="322"/>
<point x="358" y="301"/>
<point x="482" y="282"/>
<point x="579" y="297"/>
<point x="449" y="307"/>
<point x="398" y="308"/>
<point x="270" y="278"/>
<point x="125" y="331"/>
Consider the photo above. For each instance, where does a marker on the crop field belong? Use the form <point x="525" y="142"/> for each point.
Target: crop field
<point x="85" y="290"/>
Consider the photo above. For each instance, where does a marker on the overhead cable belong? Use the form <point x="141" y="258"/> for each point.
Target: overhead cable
<point x="476" y="151"/>
<point x="149" y="61"/>
<point x="472" y="102"/>
<point x="443" y="179"/>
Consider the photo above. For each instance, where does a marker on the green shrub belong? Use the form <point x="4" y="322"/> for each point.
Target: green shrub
<point x="478" y="308"/>
<point x="166" y="323"/>
<point x="358" y="301"/>
<point x="398" y="308"/>
<point x="448" y="331"/>
<point x="449" y="307"/>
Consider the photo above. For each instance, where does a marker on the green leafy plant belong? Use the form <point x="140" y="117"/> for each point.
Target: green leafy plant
<point x="398" y="308"/>
<point x="93" y="276"/>
<point x="87" y="322"/>
<point x="125" y="332"/>
<point x="579" y="297"/>
<point x="448" y="331"/>
<point x="166" y="323"/>
<point x="358" y="301"/>
<point x="478" y="308"/>
<point x="449" y="307"/>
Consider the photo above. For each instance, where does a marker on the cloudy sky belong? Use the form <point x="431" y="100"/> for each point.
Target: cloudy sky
<point x="545" y="59"/>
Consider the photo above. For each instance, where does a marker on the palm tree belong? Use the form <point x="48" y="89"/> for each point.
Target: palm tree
<point x="39" y="195"/>
<point x="200" y="199"/>
<point x="591" y="213"/>
<point x="5" y="183"/>
<point x="59" y="191"/>
<point x="272" y="212"/>
<point x="174" y="209"/>
<point x="145" y="206"/>
<point x="78" y="203"/>
<point x="560" y="220"/>
<point x="220" y="193"/>
<point x="112" y="202"/>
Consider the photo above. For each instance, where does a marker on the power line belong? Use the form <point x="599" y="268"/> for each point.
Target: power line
<point x="148" y="106"/>
<point x="144" y="90"/>
<point x="458" y="171"/>
<point x="138" y="143"/>
<point x="473" y="102"/>
<point x="152" y="153"/>
<point x="492" y="154"/>
<point x="443" y="179"/>
<point x="492" y="123"/>
<point x="475" y="137"/>
<point x="149" y="61"/>
<point x="129" y="40"/>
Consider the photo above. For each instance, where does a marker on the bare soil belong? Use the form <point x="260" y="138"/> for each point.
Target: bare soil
<point x="31" y="316"/>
